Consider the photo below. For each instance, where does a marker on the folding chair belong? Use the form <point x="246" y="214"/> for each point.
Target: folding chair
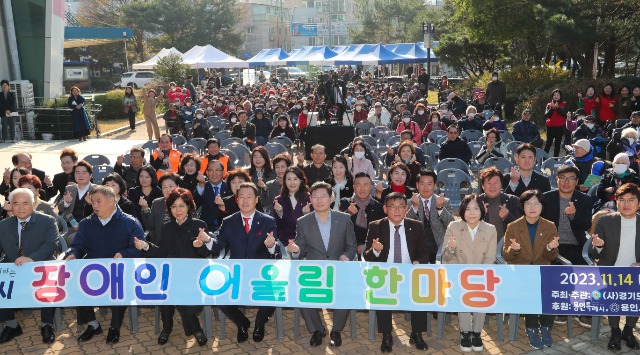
<point x="97" y="159"/>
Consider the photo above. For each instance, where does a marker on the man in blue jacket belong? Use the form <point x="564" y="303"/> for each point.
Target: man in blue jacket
<point x="107" y="233"/>
<point x="526" y="131"/>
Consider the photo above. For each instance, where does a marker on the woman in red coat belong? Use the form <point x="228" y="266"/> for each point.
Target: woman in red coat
<point x="589" y="101"/>
<point x="556" y="118"/>
<point x="606" y="105"/>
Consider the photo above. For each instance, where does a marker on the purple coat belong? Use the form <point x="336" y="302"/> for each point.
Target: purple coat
<point x="287" y="224"/>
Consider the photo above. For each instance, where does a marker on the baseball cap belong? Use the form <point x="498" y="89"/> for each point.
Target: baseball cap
<point x="583" y="143"/>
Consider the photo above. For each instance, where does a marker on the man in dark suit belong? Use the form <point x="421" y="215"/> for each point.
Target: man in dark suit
<point x="317" y="170"/>
<point x="336" y="91"/>
<point x="207" y="192"/>
<point x="23" y="160"/>
<point x="434" y="212"/>
<point x="25" y="237"/>
<point x="8" y="105"/>
<point x="397" y="239"/>
<point x="244" y="130"/>
<point x="616" y="242"/>
<point x="523" y="177"/>
<point x="362" y="208"/>
<point x="501" y="208"/>
<point x="219" y="81"/>
<point x="249" y="235"/>
<point x="323" y="235"/>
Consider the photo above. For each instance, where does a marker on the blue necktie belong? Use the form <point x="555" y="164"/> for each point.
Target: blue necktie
<point x="216" y="191"/>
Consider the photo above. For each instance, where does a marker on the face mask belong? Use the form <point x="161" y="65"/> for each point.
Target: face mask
<point x="209" y="108"/>
<point x="232" y="107"/>
<point x="420" y="112"/>
<point x="199" y="116"/>
<point x="305" y="111"/>
<point x="218" y="105"/>
<point x="495" y="78"/>
<point x="348" y="97"/>
<point x="359" y="101"/>
<point x="471" y="116"/>
<point x="173" y="87"/>
<point x="358" y="108"/>
<point x="298" y="107"/>
<point x="234" y="120"/>
<point x="631" y="140"/>
<point x="619" y="168"/>
<point x="406" y="120"/>
<point x="404" y="100"/>
<point x="589" y="125"/>
<point x="359" y="155"/>
<point x="444" y="111"/>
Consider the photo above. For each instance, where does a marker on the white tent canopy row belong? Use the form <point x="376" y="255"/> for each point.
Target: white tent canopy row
<point x="208" y="56"/>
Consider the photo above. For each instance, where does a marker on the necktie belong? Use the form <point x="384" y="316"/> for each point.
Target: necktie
<point x="397" y="246"/>
<point x="247" y="226"/>
<point x="23" y="225"/>
<point x="216" y="191"/>
<point x="427" y="212"/>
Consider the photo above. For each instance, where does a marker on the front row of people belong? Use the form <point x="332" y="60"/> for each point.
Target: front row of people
<point x="323" y="234"/>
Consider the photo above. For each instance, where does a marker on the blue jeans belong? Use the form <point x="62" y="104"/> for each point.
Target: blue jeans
<point x="262" y="140"/>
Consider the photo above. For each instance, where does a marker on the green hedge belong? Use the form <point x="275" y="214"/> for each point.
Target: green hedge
<point x="112" y="107"/>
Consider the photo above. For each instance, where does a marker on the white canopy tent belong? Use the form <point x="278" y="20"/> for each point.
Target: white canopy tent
<point x="210" y="57"/>
<point x="151" y="63"/>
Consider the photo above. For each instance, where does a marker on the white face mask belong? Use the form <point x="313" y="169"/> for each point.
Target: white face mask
<point x="234" y="120"/>
<point x="358" y="108"/>
<point x="631" y="140"/>
<point x="420" y="112"/>
<point x="619" y="168"/>
<point x="298" y="107"/>
<point x="404" y="100"/>
<point x="199" y="116"/>
<point x="232" y="107"/>
<point x="209" y="108"/>
<point x="360" y="101"/>
<point x="406" y="120"/>
<point x="444" y="111"/>
<point x="589" y="125"/>
<point x="218" y="105"/>
<point x="305" y="111"/>
<point x="359" y="155"/>
<point x="495" y="78"/>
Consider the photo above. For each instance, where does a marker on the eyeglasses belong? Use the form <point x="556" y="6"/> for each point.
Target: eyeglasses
<point x="625" y="201"/>
<point x="564" y="178"/>
<point x="532" y="204"/>
<point x="396" y="208"/>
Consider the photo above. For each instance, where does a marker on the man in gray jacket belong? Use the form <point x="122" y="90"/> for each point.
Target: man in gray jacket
<point x="324" y="235"/>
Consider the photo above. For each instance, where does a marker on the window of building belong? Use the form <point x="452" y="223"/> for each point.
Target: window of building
<point x="337" y="17"/>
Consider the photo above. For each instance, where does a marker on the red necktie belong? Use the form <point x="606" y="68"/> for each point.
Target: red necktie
<point x="247" y="227"/>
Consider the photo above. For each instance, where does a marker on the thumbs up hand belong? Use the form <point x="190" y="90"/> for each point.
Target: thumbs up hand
<point x="377" y="246"/>
<point x="597" y="242"/>
<point x="307" y="208"/>
<point x="515" y="246"/>
<point x="440" y="201"/>
<point x="292" y="247"/>
<point x="570" y="210"/>
<point x="353" y="210"/>
<point x="140" y="244"/>
<point x="554" y="243"/>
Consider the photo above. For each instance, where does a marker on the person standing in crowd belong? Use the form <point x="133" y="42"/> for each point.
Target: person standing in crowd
<point x="533" y="240"/>
<point x="523" y="177"/>
<point x="292" y="203"/>
<point x="10" y="182"/>
<point x="219" y="82"/>
<point x="214" y="153"/>
<point x="635" y="99"/>
<point x="244" y="130"/>
<point x="263" y="126"/>
<point x="154" y="216"/>
<point x="76" y="196"/>
<point x="341" y="180"/>
<point x="362" y="208"/>
<point x="526" y="131"/>
<point x="248" y="234"/>
<point x="179" y="240"/>
<point x="556" y="116"/>
<point x="398" y="178"/>
<point x="606" y="105"/>
<point x="398" y="240"/>
<point x="147" y="190"/>
<point x="207" y="193"/>
<point x="188" y="84"/>
<point x="25" y="237"/>
<point x="149" y="111"/>
<point x="501" y="208"/>
<point x="454" y="146"/>
<point x="165" y="159"/>
<point x="317" y="170"/>
<point x="589" y="101"/>
<point x="8" y="107"/>
<point x="623" y="103"/>
<point x="130" y="104"/>
<point x="496" y="92"/>
<point x="280" y="164"/>
<point x="407" y="155"/>
<point x="470" y="241"/>
<point x="324" y="235"/>
<point x="24" y="161"/>
<point x="423" y="82"/>
<point x="79" y="118"/>
<point x="433" y="211"/>
<point x="68" y="158"/>
<point x="616" y="242"/>
<point x="106" y="223"/>
<point x="129" y="172"/>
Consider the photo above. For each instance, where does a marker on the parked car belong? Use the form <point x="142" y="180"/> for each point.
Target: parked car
<point x="285" y="73"/>
<point x="135" y="79"/>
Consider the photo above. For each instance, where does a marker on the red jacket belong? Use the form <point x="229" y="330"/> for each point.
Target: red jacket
<point x="359" y="116"/>
<point x="556" y="119"/>
<point x="589" y="105"/>
<point x="606" y="109"/>
<point x="413" y="127"/>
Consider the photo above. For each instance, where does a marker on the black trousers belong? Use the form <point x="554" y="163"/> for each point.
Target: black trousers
<point x="614" y="322"/>
<point x="554" y="134"/>
<point x="341" y="109"/>
<point x="418" y="321"/>
<point x="87" y="314"/>
<point x="239" y="319"/>
<point x="46" y="314"/>
<point x="573" y="253"/>
<point x="188" y="314"/>
<point x="132" y="119"/>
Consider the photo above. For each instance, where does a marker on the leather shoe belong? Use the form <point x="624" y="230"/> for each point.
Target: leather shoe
<point x="258" y="333"/>
<point x="316" y="338"/>
<point x="387" y="343"/>
<point x="164" y="337"/>
<point x="48" y="336"/>
<point x="113" y="336"/>
<point x="336" y="339"/>
<point x="243" y="332"/>
<point x="416" y="338"/>
<point x="201" y="338"/>
<point x="630" y="340"/>
<point x="615" y="340"/>
<point x="10" y="333"/>
<point x="89" y="333"/>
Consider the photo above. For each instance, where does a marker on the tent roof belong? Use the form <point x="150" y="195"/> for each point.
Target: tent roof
<point x="368" y="54"/>
<point x="314" y="55"/>
<point x="413" y="50"/>
<point x="151" y="63"/>
<point x="268" y="57"/>
<point x="211" y="57"/>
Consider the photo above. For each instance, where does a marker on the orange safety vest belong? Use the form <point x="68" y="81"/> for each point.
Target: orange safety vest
<point x="223" y="159"/>
<point x="174" y="161"/>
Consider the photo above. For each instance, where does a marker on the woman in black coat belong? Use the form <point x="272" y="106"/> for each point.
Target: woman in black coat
<point x="68" y="158"/>
<point x="229" y="205"/>
<point x="146" y="188"/>
<point x="79" y="117"/>
<point x="189" y="169"/>
<point x="180" y="240"/>
<point x="399" y="175"/>
<point x="341" y="180"/>
<point x="8" y="105"/>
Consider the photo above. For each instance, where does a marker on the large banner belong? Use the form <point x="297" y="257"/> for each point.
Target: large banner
<point x="322" y="284"/>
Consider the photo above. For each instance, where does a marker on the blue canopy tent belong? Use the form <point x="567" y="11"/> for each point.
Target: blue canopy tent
<point x="412" y="50"/>
<point x="311" y="55"/>
<point x="368" y="54"/>
<point x="268" y="57"/>
<point x="340" y="49"/>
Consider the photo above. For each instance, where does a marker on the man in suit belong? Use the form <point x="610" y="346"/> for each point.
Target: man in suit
<point x="336" y="91"/>
<point x="397" y="239"/>
<point x="323" y="235"/>
<point x="616" y="242"/>
<point x="107" y="223"/>
<point x="244" y="130"/>
<point x="362" y="208"/>
<point x="25" y="237"/>
<point x="207" y="192"/>
<point x="8" y="105"/>
<point x="23" y="160"/>
<point x="434" y="212"/>
<point x="76" y="196"/>
<point x="523" y="177"/>
<point x="317" y="170"/>
<point x="219" y="81"/>
<point x="249" y="235"/>
<point x="501" y="208"/>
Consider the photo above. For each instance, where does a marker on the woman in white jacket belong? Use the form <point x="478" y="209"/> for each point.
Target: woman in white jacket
<point x="379" y="115"/>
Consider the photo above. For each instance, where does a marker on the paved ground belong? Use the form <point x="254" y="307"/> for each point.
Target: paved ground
<point x="45" y="156"/>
